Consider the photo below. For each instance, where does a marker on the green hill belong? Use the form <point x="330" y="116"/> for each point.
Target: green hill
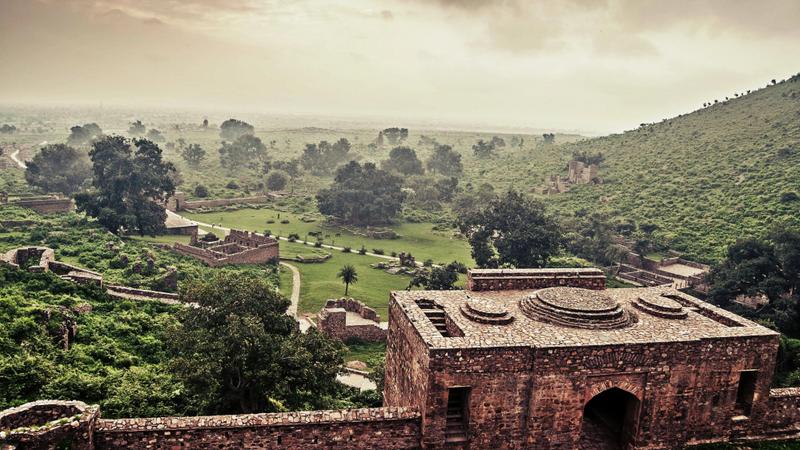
<point x="705" y="178"/>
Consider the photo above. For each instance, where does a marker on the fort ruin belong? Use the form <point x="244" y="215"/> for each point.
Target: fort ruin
<point x="348" y="318"/>
<point x="238" y="247"/>
<point x="522" y="359"/>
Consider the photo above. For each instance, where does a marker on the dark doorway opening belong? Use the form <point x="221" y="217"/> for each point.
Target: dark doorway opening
<point x="746" y="391"/>
<point x="457" y="414"/>
<point x="609" y="421"/>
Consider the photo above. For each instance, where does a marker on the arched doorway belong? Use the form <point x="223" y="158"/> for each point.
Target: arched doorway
<point x="609" y="421"/>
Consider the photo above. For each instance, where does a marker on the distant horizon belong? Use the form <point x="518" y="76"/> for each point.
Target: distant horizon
<point x="589" y="67"/>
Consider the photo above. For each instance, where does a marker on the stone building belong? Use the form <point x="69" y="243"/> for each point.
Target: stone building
<point x="523" y="359"/>
<point x="581" y="173"/>
<point x="550" y="359"/>
<point x="348" y="318"/>
<point x="238" y="247"/>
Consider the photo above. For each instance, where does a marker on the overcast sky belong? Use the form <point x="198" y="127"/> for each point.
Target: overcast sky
<point x="595" y="66"/>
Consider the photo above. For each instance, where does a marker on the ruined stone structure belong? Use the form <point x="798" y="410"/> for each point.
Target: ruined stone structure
<point x="45" y="204"/>
<point x="32" y="259"/>
<point x="347" y="318"/>
<point x="523" y="359"/>
<point x="178" y="201"/>
<point x="239" y="247"/>
<point x="578" y="173"/>
<point x="671" y="271"/>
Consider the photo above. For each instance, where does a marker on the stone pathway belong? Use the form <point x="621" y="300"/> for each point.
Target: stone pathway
<point x="295" y="298"/>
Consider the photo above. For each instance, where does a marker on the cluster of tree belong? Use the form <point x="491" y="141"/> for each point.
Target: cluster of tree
<point x="137" y="128"/>
<point x="392" y="136"/>
<point x="404" y="161"/>
<point x="58" y="168"/>
<point x="233" y="129"/>
<point x="245" y="151"/>
<point x="429" y="192"/>
<point x="239" y="352"/>
<point x="484" y="149"/>
<point x="549" y="138"/>
<point x="362" y="195"/>
<point x="130" y="183"/>
<point x="7" y="129"/>
<point x="591" y="236"/>
<point x="79" y="135"/>
<point x="517" y="141"/>
<point x="322" y="158"/>
<point x="445" y="161"/>
<point x="511" y="230"/>
<point x="193" y="154"/>
<point x="438" y="278"/>
<point x="155" y="135"/>
<point x="588" y="158"/>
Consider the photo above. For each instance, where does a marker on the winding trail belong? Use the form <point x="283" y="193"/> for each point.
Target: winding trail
<point x="305" y="324"/>
<point x="15" y="157"/>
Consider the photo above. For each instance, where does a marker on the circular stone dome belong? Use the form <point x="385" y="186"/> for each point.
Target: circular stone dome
<point x="576" y="307"/>
<point x="486" y="311"/>
<point x="660" y="306"/>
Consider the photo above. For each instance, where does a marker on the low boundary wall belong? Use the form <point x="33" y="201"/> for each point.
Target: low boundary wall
<point x="521" y="279"/>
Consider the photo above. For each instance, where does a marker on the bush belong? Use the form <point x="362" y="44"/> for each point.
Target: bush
<point x="428" y="263"/>
<point x="787" y="197"/>
<point x="378" y="251"/>
<point x="347" y="250"/>
<point x="285" y="221"/>
<point x="393" y="254"/>
<point x="232" y="185"/>
<point x="318" y="244"/>
<point x="200" y="191"/>
<point x="362" y="250"/>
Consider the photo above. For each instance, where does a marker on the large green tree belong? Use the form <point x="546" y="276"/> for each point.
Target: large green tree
<point x="445" y="161"/>
<point x="232" y="129"/>
<point x="193" y="154"/>
<point x="512" y="229"/>
<point x="82" y="134"/>
<point x="247" y="151"/>
<point x="130" y="183"/>
<point x="58" y="168"/>
<point x="362" y="195"/>
<point x="403" y="160"/>
<point x="238" y="351"/>
<point x="322" y="158"/>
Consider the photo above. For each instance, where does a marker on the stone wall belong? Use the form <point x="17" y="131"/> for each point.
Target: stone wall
<point x="239" y="247"/>
<point x="333" y="321"/>
<point x="46" y="424"/>
<point x="375" y="428"/>
<point x="158" y="295"/>
<point x="36" y="259"/>
<point x="519" y="279"/>
<point x="194" y="204"/>
<point x="45" y="205"/>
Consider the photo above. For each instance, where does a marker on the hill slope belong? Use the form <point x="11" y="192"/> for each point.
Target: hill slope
<point x="704" y="178"/>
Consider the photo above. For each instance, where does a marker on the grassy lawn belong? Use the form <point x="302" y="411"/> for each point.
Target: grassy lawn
<point x="417" y="238"/>
<point x="370" y="353"/>
<point x="286" y="282"/>
<point x="319" y="281"/>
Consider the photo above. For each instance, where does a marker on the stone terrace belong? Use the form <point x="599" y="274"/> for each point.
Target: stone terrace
<point x="695" y="320"/>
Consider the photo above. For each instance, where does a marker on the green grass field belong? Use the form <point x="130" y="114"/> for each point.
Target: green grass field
<point x="417" y="238"/>
<point x="319" y="283"/>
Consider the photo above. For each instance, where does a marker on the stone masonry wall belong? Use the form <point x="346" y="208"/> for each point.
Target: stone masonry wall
<point x="194" y="204"/>
<point x="46" y="206"/>
<point x="519" y="279"/>
<point x="406" y="376"/>
<point x="333" y="321"/>
<point x="46" y="424"/>
<point x="375" y="428"/>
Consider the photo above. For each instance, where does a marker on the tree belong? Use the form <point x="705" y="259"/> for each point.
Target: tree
<point x="233" y="129"/>
<point x="549" y="138"/>
<point x="137" y="128"/>
<point x="348" y="275"/>
<point x="200" y="191"/>
<point x="394" y="135"/>
<point x="82" y="134"/>
<point x="130" y="185"/>
<point x="445" y="161"/>
<point x="436" y="278"/>
<point x="239" y="352"/>
<point x="247" y="151"/>
<point x="588" y="158"/>
<point x="193" y="154"/>
<point x="277" y="180"/>
<point x="362" y="195"/>
<point x="483" y="149"/>
<point x="322" y="158"/>
<point x="58" y="168"/>
<point x="511" y="230"/>
<point x="205" y="124"/>
<point x="497" y="142"/>
<point x="8" y="129"/>
<point x="403" y="160"/>
<point x="155" y="135"/>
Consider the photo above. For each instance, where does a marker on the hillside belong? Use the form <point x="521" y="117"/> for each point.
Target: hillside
<point x="705" y="178"/>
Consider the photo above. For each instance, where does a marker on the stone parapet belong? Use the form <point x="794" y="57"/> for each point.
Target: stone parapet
<point x="524" y="279"/>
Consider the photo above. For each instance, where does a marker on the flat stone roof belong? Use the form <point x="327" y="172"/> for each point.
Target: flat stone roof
<point x="677" y="318"/>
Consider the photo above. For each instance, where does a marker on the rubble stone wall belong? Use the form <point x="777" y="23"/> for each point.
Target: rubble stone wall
<point x="519" y="279"/>
<point x="373" y="428"/>
<point x="46" y="205"/>
<point x="194" y="204"/>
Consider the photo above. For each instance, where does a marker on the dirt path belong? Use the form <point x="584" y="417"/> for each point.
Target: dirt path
<point x="295" y="298"/>
<point x="15" y="157"/>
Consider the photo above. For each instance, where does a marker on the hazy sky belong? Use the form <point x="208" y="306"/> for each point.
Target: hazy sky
<point x="594" y="66"/>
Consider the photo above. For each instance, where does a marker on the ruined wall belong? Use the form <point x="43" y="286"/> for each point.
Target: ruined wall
<point x="406" y="376"/>
<point x="36" y="259"/>
<point x="45" y="205"/>
<point x="375" y="428"/>
<point x="686" y="390"/>
<point x="519" y="279"/>
<point x="47" y="423"/>
<point x="333" y="321"/>
<point x="194" y="204"/>
<point x="353" y="305"/>
<point x="257" y="249"/>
